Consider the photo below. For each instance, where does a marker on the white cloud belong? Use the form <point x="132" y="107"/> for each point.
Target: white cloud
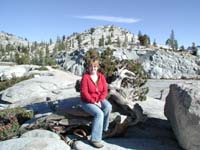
<point x="110" y="19"/>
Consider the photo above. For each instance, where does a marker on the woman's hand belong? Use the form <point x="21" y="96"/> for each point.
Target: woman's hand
<point x="98" y="104"/>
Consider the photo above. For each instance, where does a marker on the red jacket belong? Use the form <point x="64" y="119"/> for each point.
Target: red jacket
<point x="91" y="92"/>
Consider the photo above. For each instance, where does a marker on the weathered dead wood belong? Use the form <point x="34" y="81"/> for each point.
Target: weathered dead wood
<point x="124" y="91"/>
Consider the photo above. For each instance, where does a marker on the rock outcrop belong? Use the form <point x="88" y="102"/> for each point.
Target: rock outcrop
<point x="157" y="63"/>
<point x="171" y="65"/>
<point x="6" y="38"/>
<point x="102" y="36"/>
<point x="35" y="139"/>
<point x="53" y="84"/>
<point x="182" y="109"/>
<point x="9" y="72"/>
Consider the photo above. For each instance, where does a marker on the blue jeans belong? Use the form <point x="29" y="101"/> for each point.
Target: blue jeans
<point x="101" y="118"/>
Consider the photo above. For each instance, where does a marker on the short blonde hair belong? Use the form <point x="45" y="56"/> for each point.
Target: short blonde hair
<point x="93" y="61"/>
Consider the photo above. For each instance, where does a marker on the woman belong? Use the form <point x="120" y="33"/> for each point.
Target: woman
<point x="93" y="93"/>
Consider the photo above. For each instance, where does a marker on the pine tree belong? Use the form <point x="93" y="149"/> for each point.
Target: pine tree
<point x="25" y="59"/>
<point x="194" y="49"/>
<point x="63" y="38"/>
<point x="92" y="41"/>
<point x="109" y="40"/>
<point x="154" y="43"/>
<point x="108" y="63"/>
<point x="72" y="43"/>
<point x="35" y="59"/>
<point x="67" y="45"/>
<point x="17" y="58"/>
<point x="118" y="42"/>
<point x="111" y="34"/>
<point x="46" y="54"/>
<point x="139" y="34"/>
<point x="41" y="57"/>
<point x="125" y="44"/>
<point x="101" y="41"/>
<point x="50" y="41"/>
<point x="35" y="45"/>
<point x="9" y="47"/>
<point x="59" y="44"/>
<point x="111" y="29"/>
<point x="172" y="42"/>
<point x="2" y="50"/>
<point x="92" y="30"/>
<point x="78" y="38"/>
<point x="182" y="48"/>
<point x="144" y="40"/>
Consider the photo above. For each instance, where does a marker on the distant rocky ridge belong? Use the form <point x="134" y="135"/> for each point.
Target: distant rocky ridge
<point x="113" y="36"/>
<point x="158" y="62"/>
<point x="6" y="38"/>
<point x="102" y="36"/>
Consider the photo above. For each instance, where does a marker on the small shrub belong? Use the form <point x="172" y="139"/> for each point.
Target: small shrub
<point x="10" y="121"/>
<point x="57" y="67"/>
<point x="42" y="68"/>
<point x="136" y="68"/>
<point x="8" y="83"/>
<point x="8" y="127"/>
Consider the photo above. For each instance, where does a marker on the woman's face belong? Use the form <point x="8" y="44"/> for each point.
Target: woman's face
<point x="93" y="68"/>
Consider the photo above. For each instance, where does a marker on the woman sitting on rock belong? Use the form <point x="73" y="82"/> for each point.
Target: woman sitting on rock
<point x="93" y="93"/>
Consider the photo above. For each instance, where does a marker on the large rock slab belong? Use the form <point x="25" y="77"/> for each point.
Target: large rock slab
<point x="128" y="144"/>
<point x="54" y="84"/>
<point x="35" y="140"/>
<point x="8" y="72"/>
<point x="34" y="144"/>
<point x="183" y="111"/>
<point x="41" y="133"/>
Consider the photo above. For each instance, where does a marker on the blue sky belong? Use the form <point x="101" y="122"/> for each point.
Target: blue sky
<point x="40" y="20"/>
